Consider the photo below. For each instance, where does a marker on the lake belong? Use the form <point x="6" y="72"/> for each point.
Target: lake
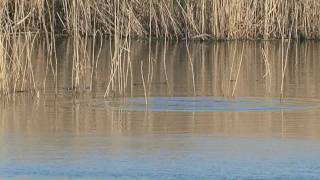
<point x="214" y="110"/>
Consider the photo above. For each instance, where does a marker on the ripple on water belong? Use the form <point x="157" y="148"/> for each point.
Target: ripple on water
<point x="208" y="104"/>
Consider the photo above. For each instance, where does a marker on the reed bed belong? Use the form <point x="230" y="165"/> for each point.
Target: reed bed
<point x="200" y="19"/>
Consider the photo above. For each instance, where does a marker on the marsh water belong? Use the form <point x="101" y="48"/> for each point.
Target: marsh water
<point x="213" y="111"/>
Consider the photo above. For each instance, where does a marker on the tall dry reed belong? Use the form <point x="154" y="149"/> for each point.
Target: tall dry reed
<point x="202" y="19"/>
<point x="126" y="19"/>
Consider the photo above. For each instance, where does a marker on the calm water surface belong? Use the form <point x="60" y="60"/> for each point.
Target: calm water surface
<point x="192" y="128"/>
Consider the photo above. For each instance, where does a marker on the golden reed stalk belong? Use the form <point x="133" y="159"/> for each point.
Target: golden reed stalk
<point x="126" y="19"/>
<point x="200" y="19"/>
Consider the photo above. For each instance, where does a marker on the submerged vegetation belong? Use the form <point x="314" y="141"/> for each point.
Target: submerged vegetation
<point x="24" y="22"/>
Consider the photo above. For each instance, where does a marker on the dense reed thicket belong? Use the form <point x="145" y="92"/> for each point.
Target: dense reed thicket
<point x="24" y="21"/>
<point x="217" y="19"/>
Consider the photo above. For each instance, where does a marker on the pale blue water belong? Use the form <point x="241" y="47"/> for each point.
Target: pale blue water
<point x="90" y="156"/>
<point x="208" y="104"/>
<point x="130" y="147"/>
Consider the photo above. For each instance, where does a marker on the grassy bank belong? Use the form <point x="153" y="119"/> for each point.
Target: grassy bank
<point x="217" y="19"/>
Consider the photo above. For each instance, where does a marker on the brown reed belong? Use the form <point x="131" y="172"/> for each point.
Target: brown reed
<point x="126" y="19"/>
<point x="200" y="19"/>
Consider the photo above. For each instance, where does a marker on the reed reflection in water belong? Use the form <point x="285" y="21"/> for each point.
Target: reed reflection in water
<point x="68" y="136"/>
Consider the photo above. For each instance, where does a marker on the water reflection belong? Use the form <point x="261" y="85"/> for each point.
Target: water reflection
<point x="214" y="76"/>
<point x="81" y="117"/>
<point x="68" y="130"/>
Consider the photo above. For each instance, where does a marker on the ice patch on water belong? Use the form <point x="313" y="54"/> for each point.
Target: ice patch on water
<point x="208" y="104"/>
